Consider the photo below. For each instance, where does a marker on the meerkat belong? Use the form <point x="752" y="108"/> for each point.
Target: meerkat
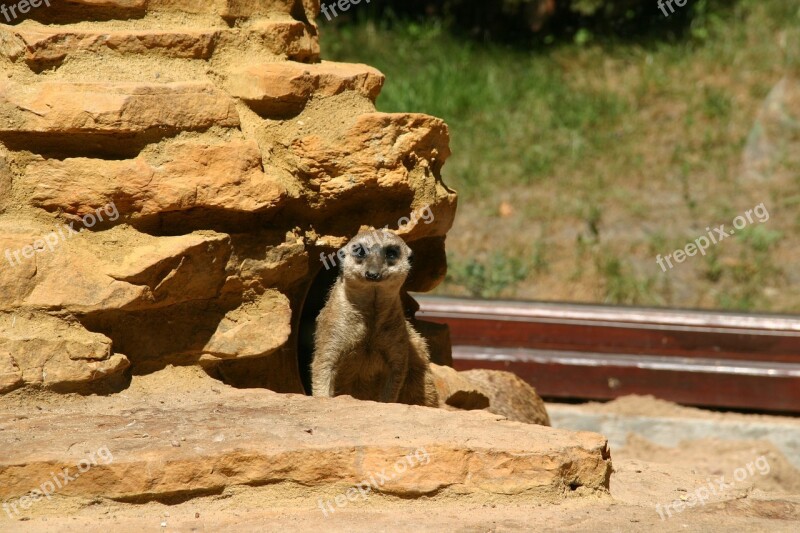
<point x="364" y="346"/>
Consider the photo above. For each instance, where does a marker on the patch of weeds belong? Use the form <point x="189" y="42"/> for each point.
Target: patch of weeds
<point x="487" y="278"/>
<point x="754" y="270"/>
<point x="657" y="243"/>
<point x="716" y="103"/>
<point x="539" y="258"/>
<point x="740" y="302"/>
<point x="582" y="247"/>
<point x="593" y="217"/>
<point x="621" y="286"/>
<point x="759" y="238"/>
<point x="714" y="269"/>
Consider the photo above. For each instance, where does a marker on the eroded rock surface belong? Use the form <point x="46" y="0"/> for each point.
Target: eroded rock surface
<point x="170" y="171"/>
<point x="112" y="108"/>
<point x="37" y="349"/>
<point x="173" y="436"/>
<point x="501" y="393"/>
<point x="286" y="87"/>
<point x="226" y="176"/>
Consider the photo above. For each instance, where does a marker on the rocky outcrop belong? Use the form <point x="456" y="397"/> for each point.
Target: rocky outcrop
<point x="180" y="217"/>
<point x="286" y="87"/>
<point x="37" y="349"/>
<point x="171" y="171"/>
<point x="498" y="392"/>
<point x="170" y="439"/>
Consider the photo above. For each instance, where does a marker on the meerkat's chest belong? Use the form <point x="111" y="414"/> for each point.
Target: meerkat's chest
<point x="376" y="349"/>
<point x="386" y="340"/>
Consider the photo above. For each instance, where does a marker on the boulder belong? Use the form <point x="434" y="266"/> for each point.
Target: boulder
<point x="509" y="396"/>
<point x="70" y="269"/>
<point x="501" y="393"/>
<point x="380" y="153"/>
<point x="38" y="349"/>
<point x="51" y="45"/>
<point x="256" y="329"/>
<point x="44" y="46"/>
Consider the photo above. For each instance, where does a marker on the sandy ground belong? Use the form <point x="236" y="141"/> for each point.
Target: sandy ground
<point x="703" y="485"/>
<point x="637" y="486"/>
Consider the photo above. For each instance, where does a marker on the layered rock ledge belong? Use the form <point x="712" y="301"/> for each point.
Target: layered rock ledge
<point x="224" y="157"/>
<point x="206" y="437"/>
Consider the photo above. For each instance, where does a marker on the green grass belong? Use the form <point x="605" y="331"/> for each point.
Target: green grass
<point x="487" y="279"/>
<point x="610" y="152"/>
<point x="512" y="114"/>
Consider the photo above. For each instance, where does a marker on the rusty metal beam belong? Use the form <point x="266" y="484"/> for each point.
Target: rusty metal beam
<point x="732" y="360"/>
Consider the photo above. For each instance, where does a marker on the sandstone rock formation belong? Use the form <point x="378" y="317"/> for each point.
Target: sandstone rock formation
<point x="171" y="171"/>
<point x="498" y="392"/>
<point x="509" y="396"/>
<point x="175" y="435"/>
<point x="44" y="350"/>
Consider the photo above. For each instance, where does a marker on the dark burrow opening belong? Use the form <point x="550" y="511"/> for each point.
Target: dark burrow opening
<point x="313" y="304"/>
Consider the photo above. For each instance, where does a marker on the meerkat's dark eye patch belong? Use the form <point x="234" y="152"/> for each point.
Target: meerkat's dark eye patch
<point x="359" y="251"/>
<point x="392" y="253"/>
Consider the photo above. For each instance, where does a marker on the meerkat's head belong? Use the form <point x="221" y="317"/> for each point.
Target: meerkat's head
<point x="377" y="257"/>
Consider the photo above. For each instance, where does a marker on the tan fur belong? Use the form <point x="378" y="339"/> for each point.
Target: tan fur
<point x="364" y="346"/>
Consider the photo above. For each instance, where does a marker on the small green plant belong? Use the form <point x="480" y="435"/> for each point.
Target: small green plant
<point x="593" y="218"/>
<point x="714" y="268"/>
<point x="487" y="279"/>
<point x="740" y="302"/>
<point x="539" y="258"/>
<point x="759" y="238"/>
<point x="621" y="285"/>
<point x="716" y="103"/>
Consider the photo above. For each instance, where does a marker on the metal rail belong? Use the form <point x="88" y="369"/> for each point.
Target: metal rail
<point x="714" y="359"/>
